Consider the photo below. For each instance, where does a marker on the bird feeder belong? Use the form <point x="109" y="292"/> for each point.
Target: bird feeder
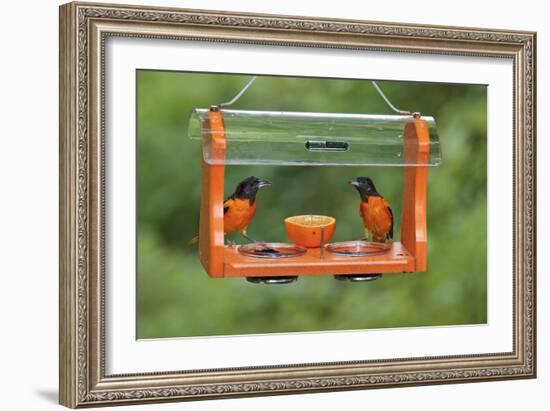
<point x="244" y="137"/>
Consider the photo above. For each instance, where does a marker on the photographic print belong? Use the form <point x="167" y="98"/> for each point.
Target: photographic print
<point x="313" y="177"/>
<point x="259" y="204"/>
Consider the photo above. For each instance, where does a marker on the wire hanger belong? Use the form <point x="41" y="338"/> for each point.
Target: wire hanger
<point x="239" y="94"/>
<point x="376" y="87"/>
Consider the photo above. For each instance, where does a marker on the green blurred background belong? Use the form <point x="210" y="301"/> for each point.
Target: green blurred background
<point x="175" y="297"/>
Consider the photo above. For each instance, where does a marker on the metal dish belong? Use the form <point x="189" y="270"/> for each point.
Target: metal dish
<point x="358" y="248"/>
<point x="271" y="250"/>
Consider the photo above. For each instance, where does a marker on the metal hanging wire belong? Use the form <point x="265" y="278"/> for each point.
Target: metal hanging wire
<point x="239" y="94"/>
<point x="375" y="85"/>
<point x="388" y="102"/>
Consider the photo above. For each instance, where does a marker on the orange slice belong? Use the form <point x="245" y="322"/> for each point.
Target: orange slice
<point x="305" y="230"/>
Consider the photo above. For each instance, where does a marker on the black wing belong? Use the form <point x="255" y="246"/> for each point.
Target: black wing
<point x="225" y="208"/>
<point x="390" y="233"/>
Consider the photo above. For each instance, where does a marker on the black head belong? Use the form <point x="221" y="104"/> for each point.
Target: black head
<point x="365" y="186"/>
<point x="249" y="187"/>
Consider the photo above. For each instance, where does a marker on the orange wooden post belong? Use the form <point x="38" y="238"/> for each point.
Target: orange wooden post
<point x="211" y="237"/>
<point x="415" y="178"/>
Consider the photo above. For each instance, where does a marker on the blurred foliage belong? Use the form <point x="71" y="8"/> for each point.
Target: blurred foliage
<point x="175" y="296"/>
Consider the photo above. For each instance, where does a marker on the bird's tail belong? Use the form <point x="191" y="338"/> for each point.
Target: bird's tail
<point x="194" y="240"/>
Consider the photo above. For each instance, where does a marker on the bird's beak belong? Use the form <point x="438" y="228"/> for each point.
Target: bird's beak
<point x="354" y="183"/>
<point x="264" y="183"/>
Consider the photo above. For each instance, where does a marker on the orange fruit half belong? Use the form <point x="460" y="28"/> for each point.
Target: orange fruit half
<point x="305" y="230"/>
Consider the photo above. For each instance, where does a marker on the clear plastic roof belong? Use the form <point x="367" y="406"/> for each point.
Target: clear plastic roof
<point x="294" y="138"/>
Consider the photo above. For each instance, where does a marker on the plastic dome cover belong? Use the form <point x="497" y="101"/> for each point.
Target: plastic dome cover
<point x="295" y="138"/>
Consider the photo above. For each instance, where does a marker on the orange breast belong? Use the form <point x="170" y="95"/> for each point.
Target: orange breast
<point x="238" y="215"/>
<point x="376" y="217"/>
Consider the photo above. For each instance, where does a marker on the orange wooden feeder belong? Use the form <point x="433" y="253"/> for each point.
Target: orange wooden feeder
<point x="231" y="137"/>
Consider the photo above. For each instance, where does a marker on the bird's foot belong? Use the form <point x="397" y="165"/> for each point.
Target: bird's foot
<point x="251" y="239"/>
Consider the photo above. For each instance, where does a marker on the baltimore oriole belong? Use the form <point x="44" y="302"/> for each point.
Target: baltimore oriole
<point x="374" y="210"/>
<point x="240" y="207"/>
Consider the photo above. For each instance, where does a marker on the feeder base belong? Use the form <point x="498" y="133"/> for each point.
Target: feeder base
<point x="395" y="260"/>
<point x="272" y="280"/>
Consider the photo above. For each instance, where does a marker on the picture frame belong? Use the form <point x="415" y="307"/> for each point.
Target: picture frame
<point x="84" y="30"/>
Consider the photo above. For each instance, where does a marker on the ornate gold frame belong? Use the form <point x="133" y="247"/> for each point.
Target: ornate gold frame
<point x="83" y="30"/>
